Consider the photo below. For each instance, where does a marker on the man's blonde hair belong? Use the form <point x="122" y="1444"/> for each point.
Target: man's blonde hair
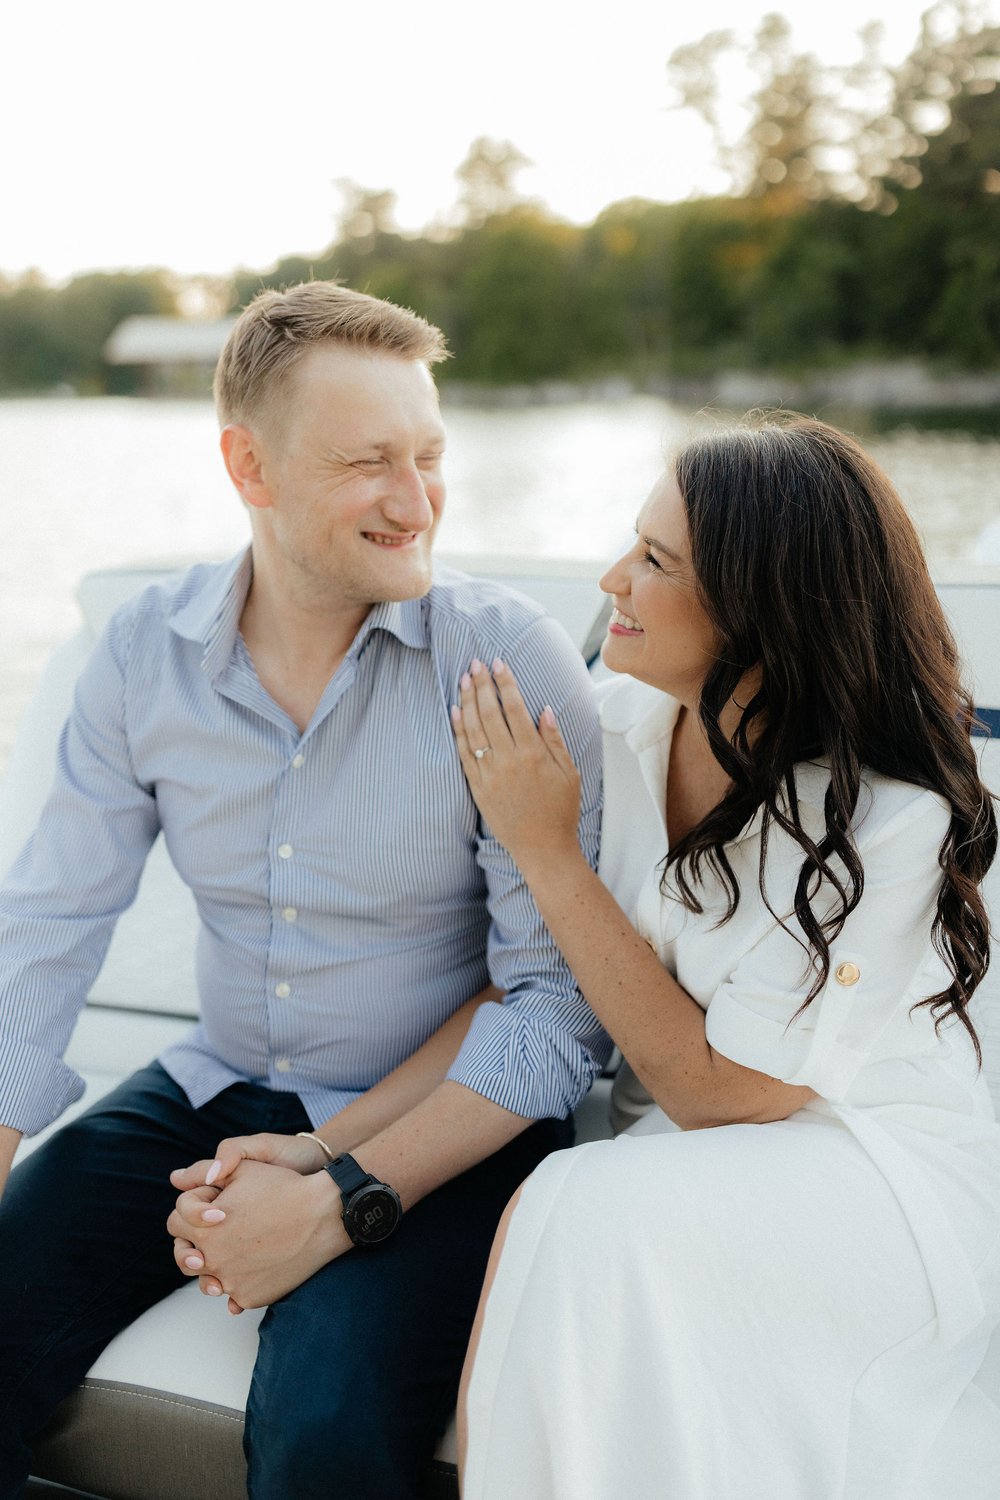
<point x="277" y="329"/>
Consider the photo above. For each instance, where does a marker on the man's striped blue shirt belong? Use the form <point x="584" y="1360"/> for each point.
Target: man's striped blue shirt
<point x="349" y="897"/>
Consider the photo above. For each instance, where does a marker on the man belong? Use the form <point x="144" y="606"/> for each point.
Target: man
<point x="284" y="719"/>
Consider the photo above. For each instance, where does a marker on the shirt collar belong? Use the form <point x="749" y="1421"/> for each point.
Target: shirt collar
<point x="406" y="619"/>
<point x="646" y="718"/>
<point x="641" y="713"/>
<point x="212" y="616"/>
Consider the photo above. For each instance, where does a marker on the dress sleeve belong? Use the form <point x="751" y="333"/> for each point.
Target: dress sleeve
<point x="881" y="964"/>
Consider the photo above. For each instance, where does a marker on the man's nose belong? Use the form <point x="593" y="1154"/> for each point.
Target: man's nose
<point x="408" y="503"/>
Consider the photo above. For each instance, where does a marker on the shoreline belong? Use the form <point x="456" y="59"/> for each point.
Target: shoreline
<point x="908" y="386"/>
<point x="870" y="385"/>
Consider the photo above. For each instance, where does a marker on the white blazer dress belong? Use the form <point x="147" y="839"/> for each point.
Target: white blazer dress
<point x="790" y="1311"/>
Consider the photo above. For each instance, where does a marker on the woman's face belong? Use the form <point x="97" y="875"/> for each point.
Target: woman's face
<point x="659" y="631"/>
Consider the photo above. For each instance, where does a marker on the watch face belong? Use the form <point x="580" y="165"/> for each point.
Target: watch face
<point x="372" y="1214"/>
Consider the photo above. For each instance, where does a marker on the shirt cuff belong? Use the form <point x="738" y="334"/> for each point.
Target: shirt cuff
<point x="524" y="1065"/>
<point x="797" y="1052"/>
<point x="39" y="1086"/>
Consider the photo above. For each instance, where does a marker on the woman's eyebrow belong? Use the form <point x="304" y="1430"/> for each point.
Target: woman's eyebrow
<point x="662" y="547"/>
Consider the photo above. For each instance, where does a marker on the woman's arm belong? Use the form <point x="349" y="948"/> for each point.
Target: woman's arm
<point x="406" y="1086"/>
<point x="362" y="1120"/>
<point x="526" y="787"/>
<point x="655" y="1022"/>
<point x="367" y="1116"/>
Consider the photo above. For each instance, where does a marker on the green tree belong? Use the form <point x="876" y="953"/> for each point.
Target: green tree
<point x="518" y="301"/>
<point x="92" y="306"/>
<point x="51" y="336"/>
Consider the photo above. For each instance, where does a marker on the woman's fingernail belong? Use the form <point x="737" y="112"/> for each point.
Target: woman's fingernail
<point x="549" y="716"/>
<point x="193" y="1262"/>
<point x="477" y="666"/>
<point x="456" y="714"/>
<point x="466" y="680"/>
<point x="213" y="1171"/>
<point x="499" y="666"/>
<point x="213" y="1215"/>
<point x="214" y="1291"/>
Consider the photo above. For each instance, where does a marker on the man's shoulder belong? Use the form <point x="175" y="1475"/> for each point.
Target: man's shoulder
<point x="160" y="599"/>
<point x="469" y="617"/>
<point x="479" y="605"/>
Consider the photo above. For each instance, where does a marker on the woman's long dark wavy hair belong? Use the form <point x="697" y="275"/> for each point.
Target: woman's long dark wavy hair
<point x="811" y="571"/>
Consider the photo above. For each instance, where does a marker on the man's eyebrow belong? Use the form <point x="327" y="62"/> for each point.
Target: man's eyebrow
<point x="435" y="440"/>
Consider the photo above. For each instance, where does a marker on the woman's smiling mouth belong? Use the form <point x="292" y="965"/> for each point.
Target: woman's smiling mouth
<point x="621" y="624"/>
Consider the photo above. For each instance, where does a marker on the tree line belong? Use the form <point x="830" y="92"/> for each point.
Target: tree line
<point x="862" y="219"/>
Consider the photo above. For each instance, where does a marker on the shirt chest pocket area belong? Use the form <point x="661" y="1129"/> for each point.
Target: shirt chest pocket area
<point x="408" y="834"/>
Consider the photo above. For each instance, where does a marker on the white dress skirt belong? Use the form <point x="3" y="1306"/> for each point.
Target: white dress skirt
<point x="790" y="1311"/>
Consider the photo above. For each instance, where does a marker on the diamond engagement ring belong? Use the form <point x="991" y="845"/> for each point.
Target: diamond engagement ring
<point x="480" y="753"/>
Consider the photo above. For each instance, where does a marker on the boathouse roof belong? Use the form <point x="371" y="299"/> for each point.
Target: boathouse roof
<point x="167" y="341"/>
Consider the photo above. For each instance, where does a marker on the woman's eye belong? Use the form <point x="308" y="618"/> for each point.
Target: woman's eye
<point x="648" y="557"/>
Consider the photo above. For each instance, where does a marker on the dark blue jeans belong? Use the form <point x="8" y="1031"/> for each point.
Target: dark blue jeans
<point x="357" y="1369"/>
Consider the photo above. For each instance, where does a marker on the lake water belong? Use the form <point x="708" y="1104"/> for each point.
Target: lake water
<point x="98" y="483"/>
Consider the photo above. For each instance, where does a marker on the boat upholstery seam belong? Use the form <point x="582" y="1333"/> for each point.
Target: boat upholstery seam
<point x="132" y="1390"/>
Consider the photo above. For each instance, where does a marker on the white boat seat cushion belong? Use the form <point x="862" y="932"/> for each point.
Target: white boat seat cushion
<point x="160" y="1416"/>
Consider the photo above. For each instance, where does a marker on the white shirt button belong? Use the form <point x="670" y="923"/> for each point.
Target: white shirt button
<point x="282" y="990"/>
<point x="298" y="762"/>
<point x="284" y="851"/>
<point x="290" y="913"/>
<point x="283" y="1064"/>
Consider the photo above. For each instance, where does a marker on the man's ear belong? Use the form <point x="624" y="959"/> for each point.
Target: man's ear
<point x="242" y="456"/>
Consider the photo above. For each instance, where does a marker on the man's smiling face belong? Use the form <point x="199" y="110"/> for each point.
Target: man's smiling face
<point x="352" y="468"/>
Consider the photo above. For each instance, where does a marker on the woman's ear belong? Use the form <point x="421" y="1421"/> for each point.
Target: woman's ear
<point x="242" y="456"/>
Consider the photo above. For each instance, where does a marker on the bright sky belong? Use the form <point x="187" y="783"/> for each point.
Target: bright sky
<point x="205" y="134"/>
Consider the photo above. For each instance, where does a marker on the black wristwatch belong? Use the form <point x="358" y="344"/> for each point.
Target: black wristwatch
<point x="372" y="1209"/>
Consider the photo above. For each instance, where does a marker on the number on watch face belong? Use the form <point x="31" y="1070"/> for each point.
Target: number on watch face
<point x="373" y="1218"/>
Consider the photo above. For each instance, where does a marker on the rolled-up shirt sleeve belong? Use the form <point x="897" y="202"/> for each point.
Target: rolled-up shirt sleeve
<point x="882" y="963"/>
<point x="538" y="1051"/>
<point x="59" y="903"/>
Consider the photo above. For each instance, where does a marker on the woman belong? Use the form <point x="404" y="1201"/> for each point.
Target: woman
<point x="794" y="1305"/>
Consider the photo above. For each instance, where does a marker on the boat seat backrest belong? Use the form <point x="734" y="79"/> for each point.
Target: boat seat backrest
<point x="150" y="966"/>
<point x="160" y="1415"/>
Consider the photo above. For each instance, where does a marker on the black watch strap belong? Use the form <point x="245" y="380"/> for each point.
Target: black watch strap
<point x="348" y="1174"/>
